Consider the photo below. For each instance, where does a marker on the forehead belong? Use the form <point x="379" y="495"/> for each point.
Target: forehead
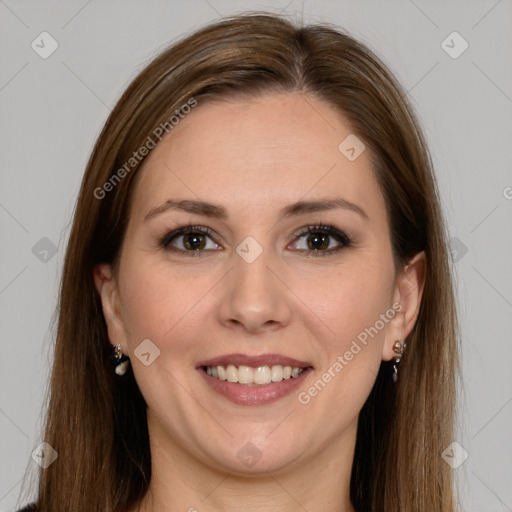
<point x="254" y="155"/>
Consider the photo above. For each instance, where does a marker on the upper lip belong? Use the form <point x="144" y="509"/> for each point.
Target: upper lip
<point x="254" y="361"/>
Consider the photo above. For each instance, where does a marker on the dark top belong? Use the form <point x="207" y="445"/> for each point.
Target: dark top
<point x="29" y="508"/>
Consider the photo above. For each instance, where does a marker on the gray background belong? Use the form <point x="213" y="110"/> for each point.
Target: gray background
<point x="52" y="110"/>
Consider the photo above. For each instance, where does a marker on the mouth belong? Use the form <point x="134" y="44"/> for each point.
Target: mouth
<point x="249" y="376"/>
<point x="254" y="380"/>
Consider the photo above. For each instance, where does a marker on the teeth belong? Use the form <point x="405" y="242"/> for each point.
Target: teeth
<point x="262" y="375"/>
<point x="246" y="375"/>
<point x="277" y="373"/>
<point x="231" y="373"/>
<point x="249" y="376"/>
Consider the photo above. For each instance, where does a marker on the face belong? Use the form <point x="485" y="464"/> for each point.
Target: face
<point x="286" y="267"/>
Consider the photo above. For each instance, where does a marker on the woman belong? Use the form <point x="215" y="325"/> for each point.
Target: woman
<point x="256" y="309"/>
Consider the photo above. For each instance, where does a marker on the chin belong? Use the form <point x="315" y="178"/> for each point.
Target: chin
<point x="257" y="455"/>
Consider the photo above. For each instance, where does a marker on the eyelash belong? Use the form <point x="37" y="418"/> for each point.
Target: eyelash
<point x="325" y="229"/>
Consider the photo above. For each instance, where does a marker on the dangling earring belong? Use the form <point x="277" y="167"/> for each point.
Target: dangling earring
<point x="121" y="362"/>
<point x="398" y="348"/>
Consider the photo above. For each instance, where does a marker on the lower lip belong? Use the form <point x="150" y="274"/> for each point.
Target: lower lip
<point x="243" y="394"/>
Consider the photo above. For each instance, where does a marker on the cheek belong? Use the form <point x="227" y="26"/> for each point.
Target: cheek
<point x="348" y="300"/>
<point x="161" y="303"/>
<point x="350" y="303"/>
<point x="151" y="301"/>
<point x="164" y="307"/>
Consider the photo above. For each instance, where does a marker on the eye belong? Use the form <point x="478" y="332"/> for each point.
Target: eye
<point x="321" y="240"/>
<point x="191" y="239"/>
<point x="318" y="240"/>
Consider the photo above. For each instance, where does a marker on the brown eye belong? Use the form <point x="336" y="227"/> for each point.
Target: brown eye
<point x="194" y="241"/>
<point x="318" y="241"/>
<point x="321" y="240"/>
<point x="189" y="239"/>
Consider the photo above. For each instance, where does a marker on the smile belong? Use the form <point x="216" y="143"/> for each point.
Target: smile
<point x="254" y="380"/>
<point x="246" y="375"/>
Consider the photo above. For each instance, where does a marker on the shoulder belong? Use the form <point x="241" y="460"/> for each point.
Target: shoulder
<point x="29" y="508"/>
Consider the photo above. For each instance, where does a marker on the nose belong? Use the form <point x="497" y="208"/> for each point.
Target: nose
<point x="255" y="299"/>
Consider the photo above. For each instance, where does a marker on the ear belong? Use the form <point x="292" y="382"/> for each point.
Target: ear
<point x="406" y="302"/>
<point x="106" y="285"/>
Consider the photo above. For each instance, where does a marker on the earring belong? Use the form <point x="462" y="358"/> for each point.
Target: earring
<point x="398" y="349"/>
<point x="121" y="362"/>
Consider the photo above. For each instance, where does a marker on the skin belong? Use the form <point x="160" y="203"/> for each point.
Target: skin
<point x="253" y="157"/>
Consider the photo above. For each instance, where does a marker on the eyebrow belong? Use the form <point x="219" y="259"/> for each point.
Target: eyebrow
<point x="216" y="211"/>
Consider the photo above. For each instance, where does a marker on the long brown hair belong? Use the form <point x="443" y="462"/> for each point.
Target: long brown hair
<point x="97" y="422"/>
